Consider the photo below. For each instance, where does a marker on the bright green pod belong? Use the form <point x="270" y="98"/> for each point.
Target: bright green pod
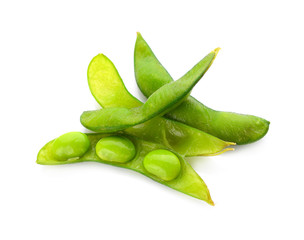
<point x="163" y="164"/>
<point x="115" y="149"/>
<point x="187" y="181"/>
<point x="160" y="102"/>
<point x="239" y="128"/>
<point x="109" y="90"/>
<point x="70" y="145"/>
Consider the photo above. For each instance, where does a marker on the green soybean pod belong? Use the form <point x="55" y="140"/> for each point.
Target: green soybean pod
<point x="70" y="145"/>
<point x="163" y="164"/>
<point x="160" y="102"/>
<point x="187" y="180"/>
<point x="239" y="128"/>
<point x="109" y="90"/>
<point x="115" y="149"/>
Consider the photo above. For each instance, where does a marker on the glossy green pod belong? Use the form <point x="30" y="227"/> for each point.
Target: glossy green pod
<point x="239" y="128"/>
<point x="160" y="102"/>
<point x="109" y="90"/>
<point x="187" y="181"/>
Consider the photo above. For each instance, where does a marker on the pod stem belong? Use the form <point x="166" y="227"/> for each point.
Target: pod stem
<point x="220" y="152"/>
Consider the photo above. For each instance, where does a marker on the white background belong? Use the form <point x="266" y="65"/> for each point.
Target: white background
<point x="45" y="49"/>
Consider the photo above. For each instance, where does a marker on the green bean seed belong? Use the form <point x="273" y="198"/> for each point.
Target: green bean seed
<point x="163" y="164"/>
<point x="70" y="145"/>
<point x="115" y="149"/>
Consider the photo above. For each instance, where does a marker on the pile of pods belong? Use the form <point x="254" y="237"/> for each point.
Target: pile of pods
<point x="154" y="137"/>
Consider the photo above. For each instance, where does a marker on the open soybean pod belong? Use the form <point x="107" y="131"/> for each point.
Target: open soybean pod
<point x="228" y="126"/>
<point x="109" y="91"/>
<point x="160" y="102"/>
<point x="150" y="159"/>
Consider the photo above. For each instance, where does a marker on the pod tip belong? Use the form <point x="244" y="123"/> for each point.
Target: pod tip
<point x="216" y="50"/>
<point x="210" y="201"/>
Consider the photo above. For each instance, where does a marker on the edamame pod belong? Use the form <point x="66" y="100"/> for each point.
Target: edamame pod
<point x="160" y="102"/>
<point x="186" y="180"/>
<point x="151" y="75"/>
<point x="109" y="90"/>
